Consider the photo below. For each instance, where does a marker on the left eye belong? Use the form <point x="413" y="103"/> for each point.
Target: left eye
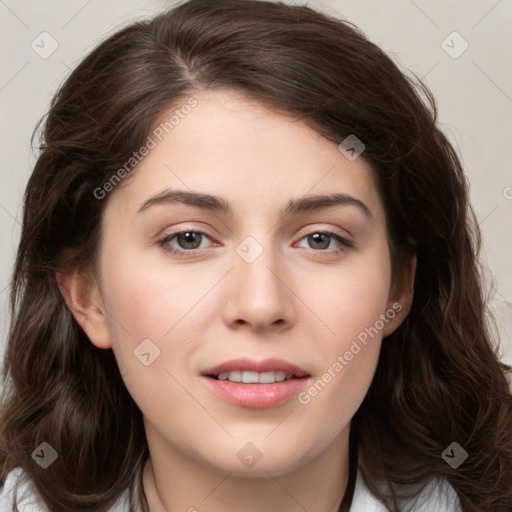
<point x="322" y="240"/>
<point x="187" y="240"/>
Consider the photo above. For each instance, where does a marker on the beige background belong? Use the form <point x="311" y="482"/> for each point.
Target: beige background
<point x="474" y="93"/>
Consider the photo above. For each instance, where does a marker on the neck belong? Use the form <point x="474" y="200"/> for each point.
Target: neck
<point x="318" y="486"/>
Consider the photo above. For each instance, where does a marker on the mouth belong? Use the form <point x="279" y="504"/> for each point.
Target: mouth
<point x="256" y="384"/>
<point x="252" y="371"/>
<point x="248" y="377"/>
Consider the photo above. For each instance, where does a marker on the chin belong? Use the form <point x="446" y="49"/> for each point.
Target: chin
<point x="251" y="462"/>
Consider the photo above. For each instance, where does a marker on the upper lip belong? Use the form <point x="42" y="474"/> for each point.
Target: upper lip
<point x="251" y="365"/>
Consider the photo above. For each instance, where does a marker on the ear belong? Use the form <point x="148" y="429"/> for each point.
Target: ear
<point x="83" y="298"/>
<point x="402" y="291"/>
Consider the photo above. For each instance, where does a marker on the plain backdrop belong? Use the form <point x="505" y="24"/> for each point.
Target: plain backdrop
<point x="461" y="49"/>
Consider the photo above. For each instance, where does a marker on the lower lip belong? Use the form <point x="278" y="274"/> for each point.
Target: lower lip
<point x="256" y="395"/>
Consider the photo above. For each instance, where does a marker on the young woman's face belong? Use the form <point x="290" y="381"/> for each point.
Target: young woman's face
<point x="266" y="277"/>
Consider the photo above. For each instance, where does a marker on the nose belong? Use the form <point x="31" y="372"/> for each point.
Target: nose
<point x="259" y="294"/>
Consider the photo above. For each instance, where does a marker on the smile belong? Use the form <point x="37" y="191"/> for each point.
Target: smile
<point x="246" y="382"/>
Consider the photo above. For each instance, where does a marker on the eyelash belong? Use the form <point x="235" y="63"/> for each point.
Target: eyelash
<point x="345" y="244"/>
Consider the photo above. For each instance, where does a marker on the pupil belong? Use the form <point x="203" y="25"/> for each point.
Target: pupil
<point x="317" y="238"/>
<point x="190" y="240"/>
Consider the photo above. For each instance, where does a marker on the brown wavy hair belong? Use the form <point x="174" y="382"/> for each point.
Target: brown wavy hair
<point x="439" y="378"/>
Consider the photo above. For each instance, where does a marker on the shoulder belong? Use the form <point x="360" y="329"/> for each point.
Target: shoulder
<point x="439" y="496"/>
<point x="19" y="489"/>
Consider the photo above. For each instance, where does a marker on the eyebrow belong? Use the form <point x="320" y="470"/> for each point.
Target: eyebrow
<point x="218" y="204"/>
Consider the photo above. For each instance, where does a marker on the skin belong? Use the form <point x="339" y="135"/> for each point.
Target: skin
<point x="299" y="300"/>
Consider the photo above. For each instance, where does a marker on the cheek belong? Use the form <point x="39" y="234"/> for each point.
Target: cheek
<point x="353" y="308"/>
<point x="349" y="359"/>
<point x="147" y="299"/>
<point x="170" y="306"/>
<point x="353" y="296"/>
<point x="149" y="321"/>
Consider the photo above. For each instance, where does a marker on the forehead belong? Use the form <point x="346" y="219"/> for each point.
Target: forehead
<point x="232" y="146"/>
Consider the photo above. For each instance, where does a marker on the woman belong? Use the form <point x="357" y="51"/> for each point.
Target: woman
<point x="248" y="277"/>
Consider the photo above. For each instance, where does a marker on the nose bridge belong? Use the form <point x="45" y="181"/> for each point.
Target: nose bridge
<point x="259" y="295"/>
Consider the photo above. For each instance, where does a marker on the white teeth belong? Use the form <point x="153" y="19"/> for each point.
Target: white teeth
<point x="234" y="376"/>
<point x="267" y="377"/>
<point x="280" y="376"/>
<point x="250" y="377"/>
<point x="255" y="377"/>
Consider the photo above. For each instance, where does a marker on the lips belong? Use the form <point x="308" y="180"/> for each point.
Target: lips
<point x="255" y="384"/>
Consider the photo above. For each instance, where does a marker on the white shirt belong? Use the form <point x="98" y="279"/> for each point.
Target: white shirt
<point x="441" y="498"/>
